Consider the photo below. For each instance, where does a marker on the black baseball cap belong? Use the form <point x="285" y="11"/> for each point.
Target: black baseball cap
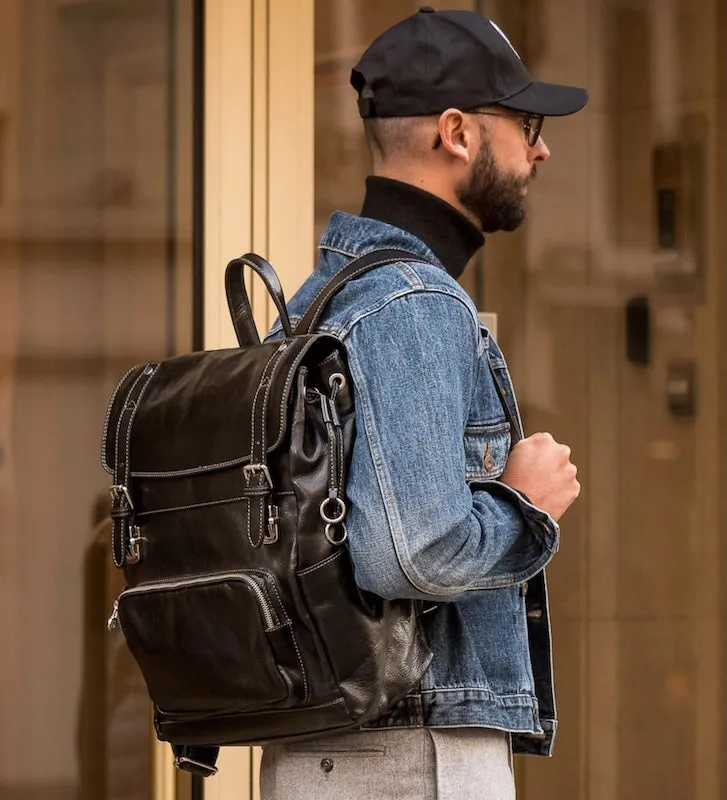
<point x="435" y="60"/>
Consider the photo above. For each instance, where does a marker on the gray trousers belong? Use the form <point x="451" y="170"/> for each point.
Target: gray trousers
<point x="403" y="764"/>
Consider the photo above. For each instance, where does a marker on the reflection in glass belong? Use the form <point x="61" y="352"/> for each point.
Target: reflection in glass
<point x="95" y="275"/>
<point x="629" y="212"/>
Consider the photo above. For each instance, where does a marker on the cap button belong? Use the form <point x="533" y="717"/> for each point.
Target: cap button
<point x="427" y="10"/>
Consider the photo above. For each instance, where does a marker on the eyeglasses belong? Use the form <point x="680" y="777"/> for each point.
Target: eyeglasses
<point x="532" y="125"/>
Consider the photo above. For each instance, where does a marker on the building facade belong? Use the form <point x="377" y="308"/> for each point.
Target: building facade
<point x="144" y="143"/>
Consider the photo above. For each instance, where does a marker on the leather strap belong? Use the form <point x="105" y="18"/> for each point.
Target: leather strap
<point x="239" y="303"/>
<point x="122" y="506"/>
<point x="358" y="267"/>
<point x="258" y="483"/>
<point x="197" y="760"/>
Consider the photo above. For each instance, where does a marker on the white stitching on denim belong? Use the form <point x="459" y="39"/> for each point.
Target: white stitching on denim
<point x="439" y="290"/>
<point x="338" y="250"/>
<point x="384" y="479"/>
<point x="322" y="291"/>
<point x="325" y="296"/>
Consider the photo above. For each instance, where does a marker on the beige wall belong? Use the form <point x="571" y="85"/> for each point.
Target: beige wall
<point x="637" y="588"/>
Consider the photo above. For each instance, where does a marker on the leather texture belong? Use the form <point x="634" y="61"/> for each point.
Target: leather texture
<point x="228" y="503"/>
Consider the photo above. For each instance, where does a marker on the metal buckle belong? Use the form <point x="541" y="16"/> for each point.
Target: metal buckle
<point x="272" y="534"/>
<point x="133" y="551"/>
<point x="251" y="469"/>
<point x="195" y="767"/>
<point x="120" y="490"/>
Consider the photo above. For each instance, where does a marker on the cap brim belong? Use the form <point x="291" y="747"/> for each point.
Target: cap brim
<point x="547" y="99"/>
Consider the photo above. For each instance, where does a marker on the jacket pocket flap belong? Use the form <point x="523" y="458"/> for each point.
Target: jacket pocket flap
<point x="486" y="450"/>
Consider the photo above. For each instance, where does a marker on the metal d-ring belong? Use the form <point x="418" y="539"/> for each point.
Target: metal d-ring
<point x="333" y="520"/>
<point x="337" y="540"/>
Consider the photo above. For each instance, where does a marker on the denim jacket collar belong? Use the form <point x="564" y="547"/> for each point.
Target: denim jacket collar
<point x="343" y="236"/>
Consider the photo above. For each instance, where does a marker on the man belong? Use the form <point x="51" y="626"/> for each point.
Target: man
<point x="449" y="504"/>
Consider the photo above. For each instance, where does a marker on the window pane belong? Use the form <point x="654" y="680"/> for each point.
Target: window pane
<point x="95" y="276"/>
<point x="610" y="309"/>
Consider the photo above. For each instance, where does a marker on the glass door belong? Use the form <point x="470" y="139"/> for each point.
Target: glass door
<point x="95" y="276"/>
<point x="610" y="308"/>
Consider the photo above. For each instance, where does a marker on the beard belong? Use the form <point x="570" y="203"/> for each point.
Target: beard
<point x="495" y="197"/>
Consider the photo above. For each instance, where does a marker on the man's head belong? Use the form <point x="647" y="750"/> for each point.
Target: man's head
<point x="448" y="106"/>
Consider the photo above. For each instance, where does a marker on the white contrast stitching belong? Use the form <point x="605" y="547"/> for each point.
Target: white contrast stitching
<point x="324" y="563"/>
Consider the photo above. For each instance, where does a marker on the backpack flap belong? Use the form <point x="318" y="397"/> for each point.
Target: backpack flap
<point x="163" y="423"/>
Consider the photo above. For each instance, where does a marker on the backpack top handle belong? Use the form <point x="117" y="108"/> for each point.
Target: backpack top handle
<point x="239" y="303"/>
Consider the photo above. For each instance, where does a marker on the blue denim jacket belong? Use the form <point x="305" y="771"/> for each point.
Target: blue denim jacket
<point x="427" y="517"/>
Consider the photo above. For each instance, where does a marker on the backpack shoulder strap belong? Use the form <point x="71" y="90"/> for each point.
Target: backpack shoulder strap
<point x="358" y="267"/>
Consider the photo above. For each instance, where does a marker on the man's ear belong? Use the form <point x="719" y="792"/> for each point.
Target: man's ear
<point x="456" y="135"/>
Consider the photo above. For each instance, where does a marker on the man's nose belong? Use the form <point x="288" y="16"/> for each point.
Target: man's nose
<point x="540" y="151"/>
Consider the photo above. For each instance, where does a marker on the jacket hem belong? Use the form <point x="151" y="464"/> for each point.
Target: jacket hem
<point x="475" y="708"/>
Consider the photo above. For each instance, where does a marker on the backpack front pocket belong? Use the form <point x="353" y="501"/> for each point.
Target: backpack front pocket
<point x="213" y="643"/>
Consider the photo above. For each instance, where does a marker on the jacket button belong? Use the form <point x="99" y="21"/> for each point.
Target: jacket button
<point x="327" y="764"/>
<point x="488" y="462"/>
<point x="536" y="613"/>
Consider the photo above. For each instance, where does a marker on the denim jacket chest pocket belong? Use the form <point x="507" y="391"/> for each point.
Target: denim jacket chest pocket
<point x="486" y="448"/>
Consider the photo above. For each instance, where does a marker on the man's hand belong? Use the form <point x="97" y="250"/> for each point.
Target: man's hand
<point x="541" y="469"/>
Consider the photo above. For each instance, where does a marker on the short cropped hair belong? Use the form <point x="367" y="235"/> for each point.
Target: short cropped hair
<point x="393" y="138"/>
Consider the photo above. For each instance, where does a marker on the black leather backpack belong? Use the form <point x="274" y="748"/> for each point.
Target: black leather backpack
<point x="229" y="521"/>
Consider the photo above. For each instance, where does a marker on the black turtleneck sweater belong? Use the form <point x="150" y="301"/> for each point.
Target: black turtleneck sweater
<point x="447" y="233"/>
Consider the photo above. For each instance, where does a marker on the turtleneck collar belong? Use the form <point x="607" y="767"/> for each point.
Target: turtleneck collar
<point x="447" y="232"/>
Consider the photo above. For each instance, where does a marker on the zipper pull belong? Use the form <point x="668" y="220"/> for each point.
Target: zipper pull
<point x="113" y="621"/>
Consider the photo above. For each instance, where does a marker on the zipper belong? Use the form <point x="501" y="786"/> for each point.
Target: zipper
<point x="254" y="582"/>
<point x="335" y="445"/>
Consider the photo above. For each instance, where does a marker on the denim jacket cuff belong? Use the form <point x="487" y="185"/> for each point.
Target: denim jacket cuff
<point x="542" y="525"/>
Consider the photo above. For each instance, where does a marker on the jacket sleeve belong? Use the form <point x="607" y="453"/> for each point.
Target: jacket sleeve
<point x="417" y="529"/>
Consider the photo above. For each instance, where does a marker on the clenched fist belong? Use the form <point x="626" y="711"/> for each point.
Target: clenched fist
<point x="541" y="469"/>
